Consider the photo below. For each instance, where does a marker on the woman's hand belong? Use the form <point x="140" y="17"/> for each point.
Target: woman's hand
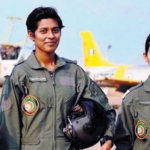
<point x="78" y="108"/>
<point x="106" y="145"/>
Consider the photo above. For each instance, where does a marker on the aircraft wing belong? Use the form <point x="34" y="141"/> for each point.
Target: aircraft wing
<point x="117" y="82"/>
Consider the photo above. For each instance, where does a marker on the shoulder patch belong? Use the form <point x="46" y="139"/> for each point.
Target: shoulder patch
<point x="69" y="61"/>
<point x="131" y="89"/>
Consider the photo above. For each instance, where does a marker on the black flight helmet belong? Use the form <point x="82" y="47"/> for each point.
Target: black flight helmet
<point x="86" y="128"/>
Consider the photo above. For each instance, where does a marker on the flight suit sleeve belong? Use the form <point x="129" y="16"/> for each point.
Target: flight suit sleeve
<point x="9" y="117"/>
<point x="90" y="90"/>
<point x="124" y="131"/>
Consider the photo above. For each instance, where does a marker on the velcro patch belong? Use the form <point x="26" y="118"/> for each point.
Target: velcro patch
<point x="65" y="80"/>
<point x="36" y="79"/>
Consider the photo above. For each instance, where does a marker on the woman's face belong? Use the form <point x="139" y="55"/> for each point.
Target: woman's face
<point x="147" y="56"/>
<point x="46" y="36"/>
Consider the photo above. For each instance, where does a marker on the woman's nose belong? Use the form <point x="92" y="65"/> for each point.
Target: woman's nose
<point x="51" y="34"/>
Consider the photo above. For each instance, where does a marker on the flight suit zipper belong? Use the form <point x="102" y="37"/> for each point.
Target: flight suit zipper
<point x="54" y="124"/>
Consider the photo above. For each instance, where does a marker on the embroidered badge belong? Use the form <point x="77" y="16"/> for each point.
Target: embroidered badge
<point x="141" y="129"/>
<point x="30" y="105"/>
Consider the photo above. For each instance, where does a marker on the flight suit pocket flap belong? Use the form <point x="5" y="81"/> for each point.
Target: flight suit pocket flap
<point x="30" y="141"/>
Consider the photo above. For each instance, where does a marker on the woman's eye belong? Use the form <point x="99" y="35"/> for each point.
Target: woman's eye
<point x="43" y="31"/>
<point x="56" y="30"/>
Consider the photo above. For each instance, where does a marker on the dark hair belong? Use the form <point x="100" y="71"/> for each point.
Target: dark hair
<point x="147" y="44"/>
<point x="42" y="13"/>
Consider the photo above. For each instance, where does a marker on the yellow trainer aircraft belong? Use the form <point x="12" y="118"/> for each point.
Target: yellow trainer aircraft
<point x="107" y="73"/>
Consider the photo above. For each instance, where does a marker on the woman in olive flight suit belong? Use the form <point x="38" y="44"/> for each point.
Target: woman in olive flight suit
<point x="42" y="89"/>
<point x="133" y="123"/>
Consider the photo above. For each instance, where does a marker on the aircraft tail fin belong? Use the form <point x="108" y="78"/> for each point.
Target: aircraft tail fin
<point x="121" y="71"/>
<point x="92" y="55"/>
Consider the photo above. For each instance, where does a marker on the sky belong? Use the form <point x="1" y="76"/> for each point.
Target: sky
<point x="123" y="24"/>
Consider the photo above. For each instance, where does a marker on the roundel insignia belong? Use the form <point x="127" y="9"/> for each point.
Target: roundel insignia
<point x="141" y="129"/>
<point x="30" y="105"/>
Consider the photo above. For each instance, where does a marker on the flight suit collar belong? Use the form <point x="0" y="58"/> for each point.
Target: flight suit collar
<point x="147" y="84"/>
<point x="34" y="64"/>
<point x="59" y="61"/>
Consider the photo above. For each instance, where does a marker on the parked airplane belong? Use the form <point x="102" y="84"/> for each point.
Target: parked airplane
<point x="11" y="53"/>
<point x="9" y="56"/>
<point x="107" y="73"/>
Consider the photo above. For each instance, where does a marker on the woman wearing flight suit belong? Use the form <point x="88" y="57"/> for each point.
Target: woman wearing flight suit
<point x="42" y="89"/>
<point x="133" y="123"/>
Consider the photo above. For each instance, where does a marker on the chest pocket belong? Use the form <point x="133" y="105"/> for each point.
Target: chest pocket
<point x="66" y="88"/>
<point x="38" y="87"/>
<point x="142" y="110"/>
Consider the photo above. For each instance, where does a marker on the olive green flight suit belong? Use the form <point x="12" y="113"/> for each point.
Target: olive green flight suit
<point x="36" y="122"/>
<point x="133" y="122"/>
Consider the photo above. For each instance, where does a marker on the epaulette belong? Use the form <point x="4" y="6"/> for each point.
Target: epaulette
<point x="69" y="61"/>
<point x="19" y="62"/>
<point x="131" y="89"/>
